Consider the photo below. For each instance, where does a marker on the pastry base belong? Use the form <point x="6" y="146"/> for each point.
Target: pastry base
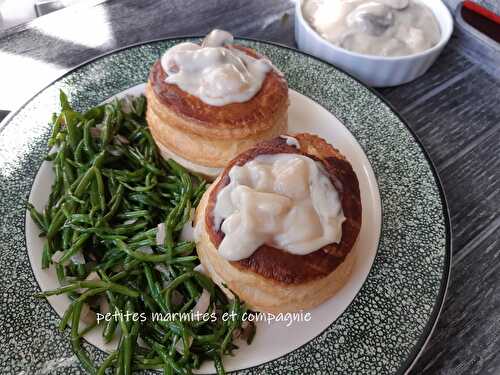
<point x="259" y="293"/>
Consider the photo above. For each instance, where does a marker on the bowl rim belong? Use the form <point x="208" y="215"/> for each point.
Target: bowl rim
<point x="445" y="21"/>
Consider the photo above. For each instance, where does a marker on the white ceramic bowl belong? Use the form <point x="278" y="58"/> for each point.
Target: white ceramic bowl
<point x="376" y="71"/>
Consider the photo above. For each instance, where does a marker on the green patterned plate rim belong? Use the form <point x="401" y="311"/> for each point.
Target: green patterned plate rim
<point x="385" y="327"/>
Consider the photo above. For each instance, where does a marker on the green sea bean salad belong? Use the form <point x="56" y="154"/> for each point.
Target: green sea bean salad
<point x="112" y="229"/>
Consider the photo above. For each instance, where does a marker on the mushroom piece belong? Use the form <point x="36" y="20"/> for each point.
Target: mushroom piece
<point x="373" y="18"/>
<point x="217" y="38"/>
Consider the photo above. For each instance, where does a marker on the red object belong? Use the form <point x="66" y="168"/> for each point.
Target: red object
<point x="482" y="19"/>
<point x="482" y="11"/>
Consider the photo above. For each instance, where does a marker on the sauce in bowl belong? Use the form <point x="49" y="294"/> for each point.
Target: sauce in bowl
<point x="374" y="27"/>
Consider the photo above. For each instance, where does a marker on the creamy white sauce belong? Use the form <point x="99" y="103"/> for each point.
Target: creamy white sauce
<point x="291" y="141"/>
<point x="374" y="27"/>
<point x="215" y="72"/>
<point x="285" y="200"/>
<point x="217" y="38"/>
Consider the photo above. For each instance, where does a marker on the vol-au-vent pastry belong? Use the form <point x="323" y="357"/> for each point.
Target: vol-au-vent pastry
<point x="278" y="226"/>
<point x="207" y="103"/>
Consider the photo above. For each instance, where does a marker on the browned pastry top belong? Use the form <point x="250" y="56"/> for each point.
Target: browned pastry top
<point x="255" y="113"/>
<point x="279" y="265"/>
